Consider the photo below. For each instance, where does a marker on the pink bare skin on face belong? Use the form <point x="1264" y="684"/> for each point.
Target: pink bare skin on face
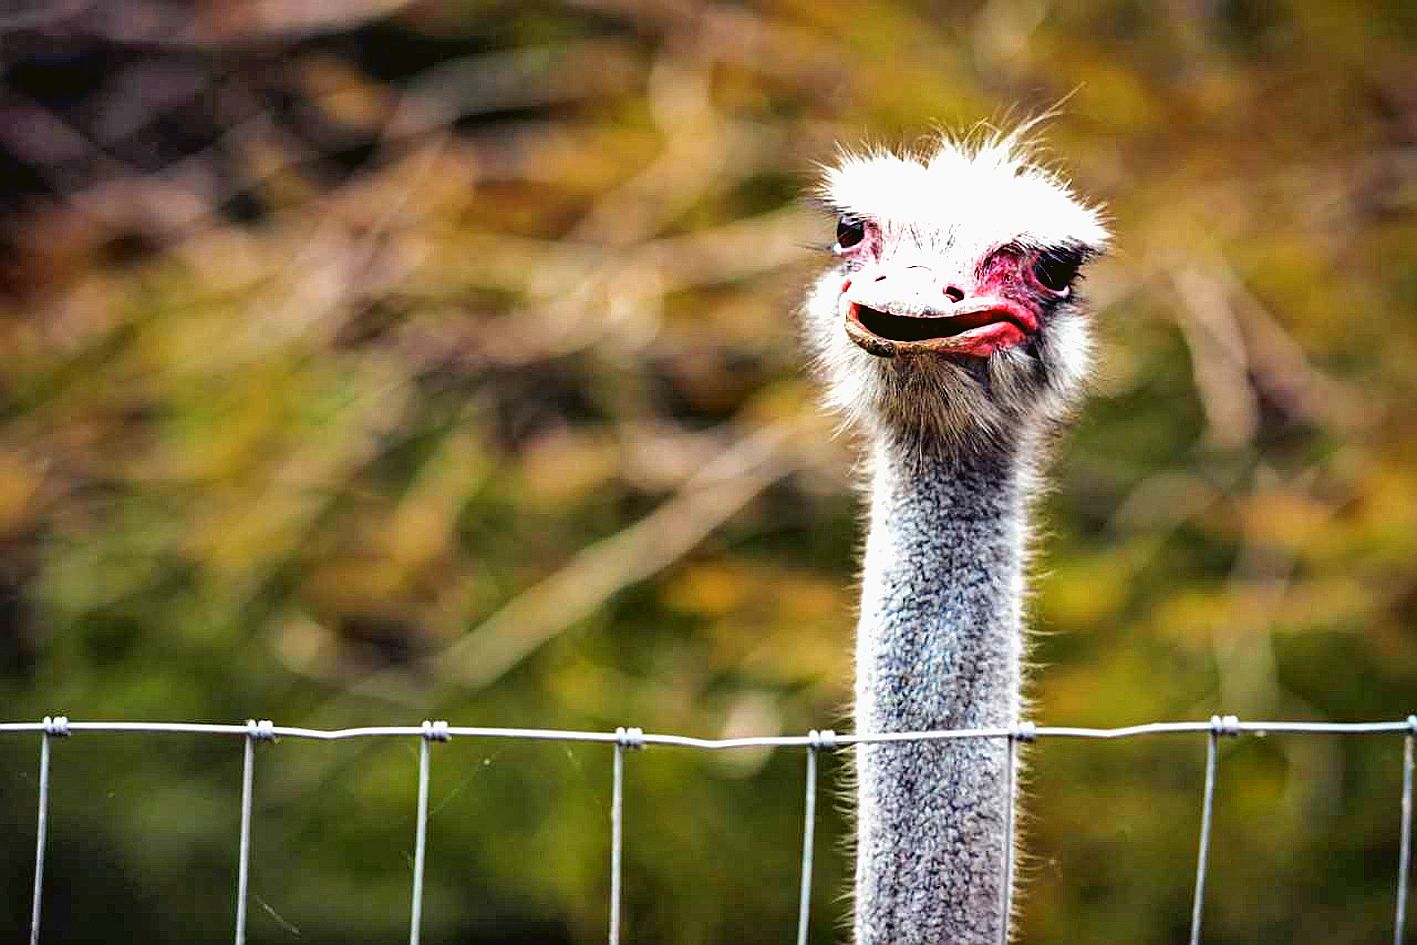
<point x="895" y="305"/>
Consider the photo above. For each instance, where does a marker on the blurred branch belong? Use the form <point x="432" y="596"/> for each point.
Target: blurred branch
<point x="693" y="159"/>
<point x="715" y="494"/>
<point x="201" y="24"/>
<point x="43" y="14"/>
<point x="745" y="37"/>
<point x="581" y="295"/>
<point x="1218" y="358"/>
<point x="1240" y="351"/>
<point x="595" y="574"/>
<point x="712" y="256"/>
<point x="523" y="78"/>
<point x="1280" y="365"/>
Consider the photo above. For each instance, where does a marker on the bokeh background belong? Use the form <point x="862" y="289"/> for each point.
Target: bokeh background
<point x="367" y="361"/>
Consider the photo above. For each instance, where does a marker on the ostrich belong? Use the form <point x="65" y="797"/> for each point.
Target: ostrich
<point x="949" y="334"/>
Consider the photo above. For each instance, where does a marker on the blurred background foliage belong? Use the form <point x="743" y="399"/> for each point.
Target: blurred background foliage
<point x="376" y="360"/>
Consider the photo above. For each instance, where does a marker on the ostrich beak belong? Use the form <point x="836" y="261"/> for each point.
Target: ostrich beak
<point x="973" y="327"/>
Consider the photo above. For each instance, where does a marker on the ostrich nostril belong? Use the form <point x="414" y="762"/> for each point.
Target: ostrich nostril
<point x="880" y="278"/>
<point x="954" y="293"/>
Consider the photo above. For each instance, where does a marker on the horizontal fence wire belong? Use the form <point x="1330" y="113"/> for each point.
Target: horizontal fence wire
<point x="626" y="739"/>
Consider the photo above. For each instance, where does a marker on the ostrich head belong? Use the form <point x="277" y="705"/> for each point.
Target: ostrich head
<point x="952" y="310"/>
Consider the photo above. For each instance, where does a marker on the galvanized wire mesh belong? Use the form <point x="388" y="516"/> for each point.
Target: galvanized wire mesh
<point x="625" y="740"/>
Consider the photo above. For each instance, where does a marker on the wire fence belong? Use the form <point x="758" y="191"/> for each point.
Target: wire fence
<point x="624" y="740"/>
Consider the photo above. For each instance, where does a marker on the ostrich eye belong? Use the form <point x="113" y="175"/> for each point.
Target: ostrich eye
<point x="849" y="231"/>
<point x="1055" y="269"/>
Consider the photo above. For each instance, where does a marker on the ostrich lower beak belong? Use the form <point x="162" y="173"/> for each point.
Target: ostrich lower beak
<point x="974" y="329"/>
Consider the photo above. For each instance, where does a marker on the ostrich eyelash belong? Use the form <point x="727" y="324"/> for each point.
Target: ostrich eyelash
<point x="826" y="207"/>
<point x="1059" y="268"/>
<point x="816" y="247"/>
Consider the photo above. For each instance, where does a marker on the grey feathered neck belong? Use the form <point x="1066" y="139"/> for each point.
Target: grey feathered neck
<point x="938" y="646"/>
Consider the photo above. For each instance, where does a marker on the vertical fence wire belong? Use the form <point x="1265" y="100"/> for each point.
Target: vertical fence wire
<point x="1024" y="732"/>
<point x="818" y="741"/>
<point x="243" y="861"/>
<point x="1203" y="852"/>
<point x="432" y="731"/>
<point x="625" y="738"/>
<point x="617" y="801"/>
<point x="1404" y="854"/>
<point x="263" y="730"/>
<point x="1006" y="893"/>
<point x="1227" y="725"/>
<point x="420" y="845"/>
<point x="41" y="829"/>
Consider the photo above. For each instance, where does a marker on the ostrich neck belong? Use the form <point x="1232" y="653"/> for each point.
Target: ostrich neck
<point x="937" y="647"/>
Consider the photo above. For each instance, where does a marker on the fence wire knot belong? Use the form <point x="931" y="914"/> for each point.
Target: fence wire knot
<point x="56" y="726"/>
<point x="1025" y="732"/>
<point x="1225" y="725"/>
<point x="821" y="740"/>
<point x="436" y="730"/>
<point x="631" y="738"/>
<point x="262" y="731"/>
